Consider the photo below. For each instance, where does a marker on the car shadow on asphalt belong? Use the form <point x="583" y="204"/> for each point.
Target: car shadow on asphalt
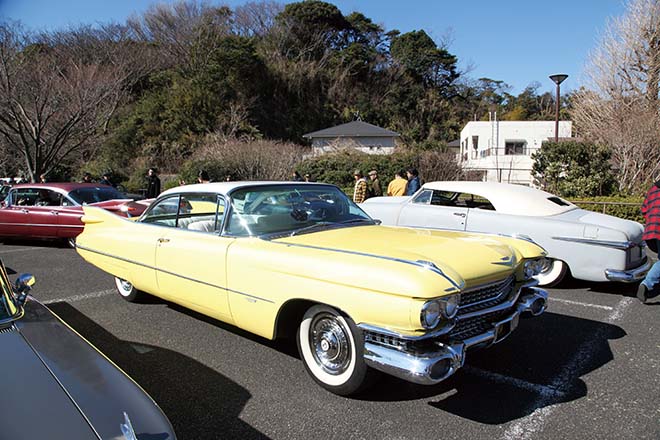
<point x="200" y="402"/>
<point x="539" y="365"/>
<point x="623" y="289"/>
<point x="54" y="243"/>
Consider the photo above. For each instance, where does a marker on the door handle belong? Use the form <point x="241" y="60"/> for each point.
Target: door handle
<point x="54" y="212"/>
<point x="460" y="214"/>
<point x="163" y="240"/>
<point x="25" y="211"/>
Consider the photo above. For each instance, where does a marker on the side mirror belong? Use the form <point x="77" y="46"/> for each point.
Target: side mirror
<point x="24" y="284"/>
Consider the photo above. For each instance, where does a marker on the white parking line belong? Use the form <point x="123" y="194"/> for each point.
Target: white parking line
<point x="82" y="297"/>
<point x="542" y="390"/>
<point x="577" y="303"/>
<point x="545" y="405"/>
<point x="11" y="251"/>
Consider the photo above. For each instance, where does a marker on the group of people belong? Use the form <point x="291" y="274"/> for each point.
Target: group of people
<point x="399" y="186"/>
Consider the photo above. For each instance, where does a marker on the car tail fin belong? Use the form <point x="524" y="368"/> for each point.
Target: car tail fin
<point x="94" y="215"/>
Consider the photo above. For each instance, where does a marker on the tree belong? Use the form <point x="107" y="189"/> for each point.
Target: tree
<point x="573" y="169"/>
<point x="619" y="106"/>
<point x="59" y="90"/>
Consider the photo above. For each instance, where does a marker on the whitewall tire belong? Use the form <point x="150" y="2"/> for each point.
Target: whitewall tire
<point x="331" y="347"/>
<point x="127" y="291"/>
<point x="554" y="273"/>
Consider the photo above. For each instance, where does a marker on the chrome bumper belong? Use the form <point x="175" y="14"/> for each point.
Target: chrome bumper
<point x="433" y="366"/>
<point x="630" y="275"/>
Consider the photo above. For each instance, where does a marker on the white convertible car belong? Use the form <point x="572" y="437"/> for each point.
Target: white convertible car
<point x="593" y="246"/>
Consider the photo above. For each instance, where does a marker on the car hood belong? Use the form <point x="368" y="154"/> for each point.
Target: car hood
<point x="98" y="388"/>
<point x="37" y="406"/>
<point x="466" y="258"/>
<point x="595" y="220"/>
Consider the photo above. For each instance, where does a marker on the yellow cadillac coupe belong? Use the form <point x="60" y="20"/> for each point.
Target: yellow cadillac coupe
<point x="300" y="259"/>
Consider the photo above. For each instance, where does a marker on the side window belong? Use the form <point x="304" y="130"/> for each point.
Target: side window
<point x="424" y="197"/>
<point x="47" y="197"/>
<point x="201" y="212"/>
<point x="164" y="212"/>
<point x="24" y="197"/>
<point x="473" y="201"/>
<point x="443" y="198"/>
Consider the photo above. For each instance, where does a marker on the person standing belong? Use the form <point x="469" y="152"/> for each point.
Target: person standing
<point x="360" y="189"/>
<point x="374" y="185"/>
<point x="397" y="187"/>
<point x="203" y="177"/>
<point x="295" y="176"/>
<point x="87" y="178"/>
<point x="651" y="212"/>
<point x="105" y="180"/>
<point x="413" y="181"/>
<point x="153" y="184"/>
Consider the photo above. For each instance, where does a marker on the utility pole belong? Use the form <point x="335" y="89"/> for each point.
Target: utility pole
<point x="557" y="79"/>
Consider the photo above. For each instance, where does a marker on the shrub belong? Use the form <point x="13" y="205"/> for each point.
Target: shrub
<point x="628" y="212"/>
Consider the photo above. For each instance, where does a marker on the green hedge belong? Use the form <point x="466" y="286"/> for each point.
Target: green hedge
<point x="632" y="212"/>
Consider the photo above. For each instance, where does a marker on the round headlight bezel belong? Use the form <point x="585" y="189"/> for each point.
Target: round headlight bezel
<point x="450" y="305"/>
<point x="430" y="314"/>
<point x="532" y="268"/>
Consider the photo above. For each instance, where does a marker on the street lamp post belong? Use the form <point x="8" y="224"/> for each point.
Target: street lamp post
<point x="557" y="79"/>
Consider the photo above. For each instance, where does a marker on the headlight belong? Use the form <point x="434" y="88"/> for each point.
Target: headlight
<point x="430" y="316"/>
<point x="436" y="309"/>
<point x="531" y="268"/>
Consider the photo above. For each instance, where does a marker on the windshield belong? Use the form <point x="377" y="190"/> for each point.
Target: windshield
<point x="85" y="196"/>
<point x="289" y="208"/>
<point x="7" y="305"/>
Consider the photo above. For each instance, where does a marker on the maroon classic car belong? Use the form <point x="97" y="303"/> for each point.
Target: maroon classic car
<point x="53" y="210"/>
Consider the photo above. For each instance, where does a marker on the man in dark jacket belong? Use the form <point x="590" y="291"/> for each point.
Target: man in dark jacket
<point x="375" y="189"/>
<point x="651" y="212"/>
<point x="153" y="184"/>
<point x="413" y="181"/>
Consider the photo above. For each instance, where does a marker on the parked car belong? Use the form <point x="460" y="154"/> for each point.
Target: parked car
<point x="58" y="386"/>
<point x="592" y="246"/>
<point x="284" y="259"/>
<point x="53" y="210"/>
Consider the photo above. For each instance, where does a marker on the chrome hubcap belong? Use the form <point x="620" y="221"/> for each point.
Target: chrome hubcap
<point x="330" y="344"/>
<point x="125" y="286"/>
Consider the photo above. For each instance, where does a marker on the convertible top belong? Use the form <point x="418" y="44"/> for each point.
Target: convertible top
<point x="509" y="199"/>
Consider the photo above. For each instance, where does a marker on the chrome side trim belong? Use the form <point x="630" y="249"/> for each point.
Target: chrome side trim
<point x="173" y="273"/>
<point x="623" y="245"/>
<point x="42" y="225"/>
<point x="419" y="263"/>
<point x="630" y="275"/>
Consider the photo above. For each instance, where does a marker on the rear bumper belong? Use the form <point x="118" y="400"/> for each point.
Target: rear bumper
<point x="433" y="366"/>
<point x="630" y="275"/>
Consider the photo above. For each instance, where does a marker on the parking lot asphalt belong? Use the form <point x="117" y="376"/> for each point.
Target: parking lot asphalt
<point x="589" y="368"/>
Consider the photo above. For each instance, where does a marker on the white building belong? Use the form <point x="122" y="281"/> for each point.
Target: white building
<point x="359" y="135"/>
<point x="501" y="151"/>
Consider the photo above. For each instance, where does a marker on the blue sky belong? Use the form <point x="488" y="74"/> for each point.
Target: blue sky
<point x="517" y="41"/>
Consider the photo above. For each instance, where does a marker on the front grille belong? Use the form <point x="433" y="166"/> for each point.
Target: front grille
<point x="467" y="328"/>
<point x="387" y="340"/>
<point x="487" y="296"/>
<point x="7" y="329"/>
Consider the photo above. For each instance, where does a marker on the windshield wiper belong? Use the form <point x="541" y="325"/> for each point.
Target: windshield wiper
<point x="319" y="225"/>
<point x="361" y="220"/>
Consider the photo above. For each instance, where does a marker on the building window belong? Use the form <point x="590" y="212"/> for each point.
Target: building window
<point x="514" y="147"/>
<point x="475" y="142"/>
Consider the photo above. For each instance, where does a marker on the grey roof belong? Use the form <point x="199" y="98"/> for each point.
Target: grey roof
<point x="454" y="144"/>
<point x="352" y="129"/>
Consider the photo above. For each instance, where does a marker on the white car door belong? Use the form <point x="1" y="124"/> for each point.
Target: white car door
<point x="434" y="209"/>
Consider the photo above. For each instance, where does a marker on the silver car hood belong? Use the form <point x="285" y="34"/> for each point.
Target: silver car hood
<point x="36" y="405"/>
<point x="99" y="389"/>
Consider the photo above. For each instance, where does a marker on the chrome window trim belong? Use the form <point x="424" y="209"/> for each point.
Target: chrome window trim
<point x="78" y="246"/>
<point x="622" y="245"/>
